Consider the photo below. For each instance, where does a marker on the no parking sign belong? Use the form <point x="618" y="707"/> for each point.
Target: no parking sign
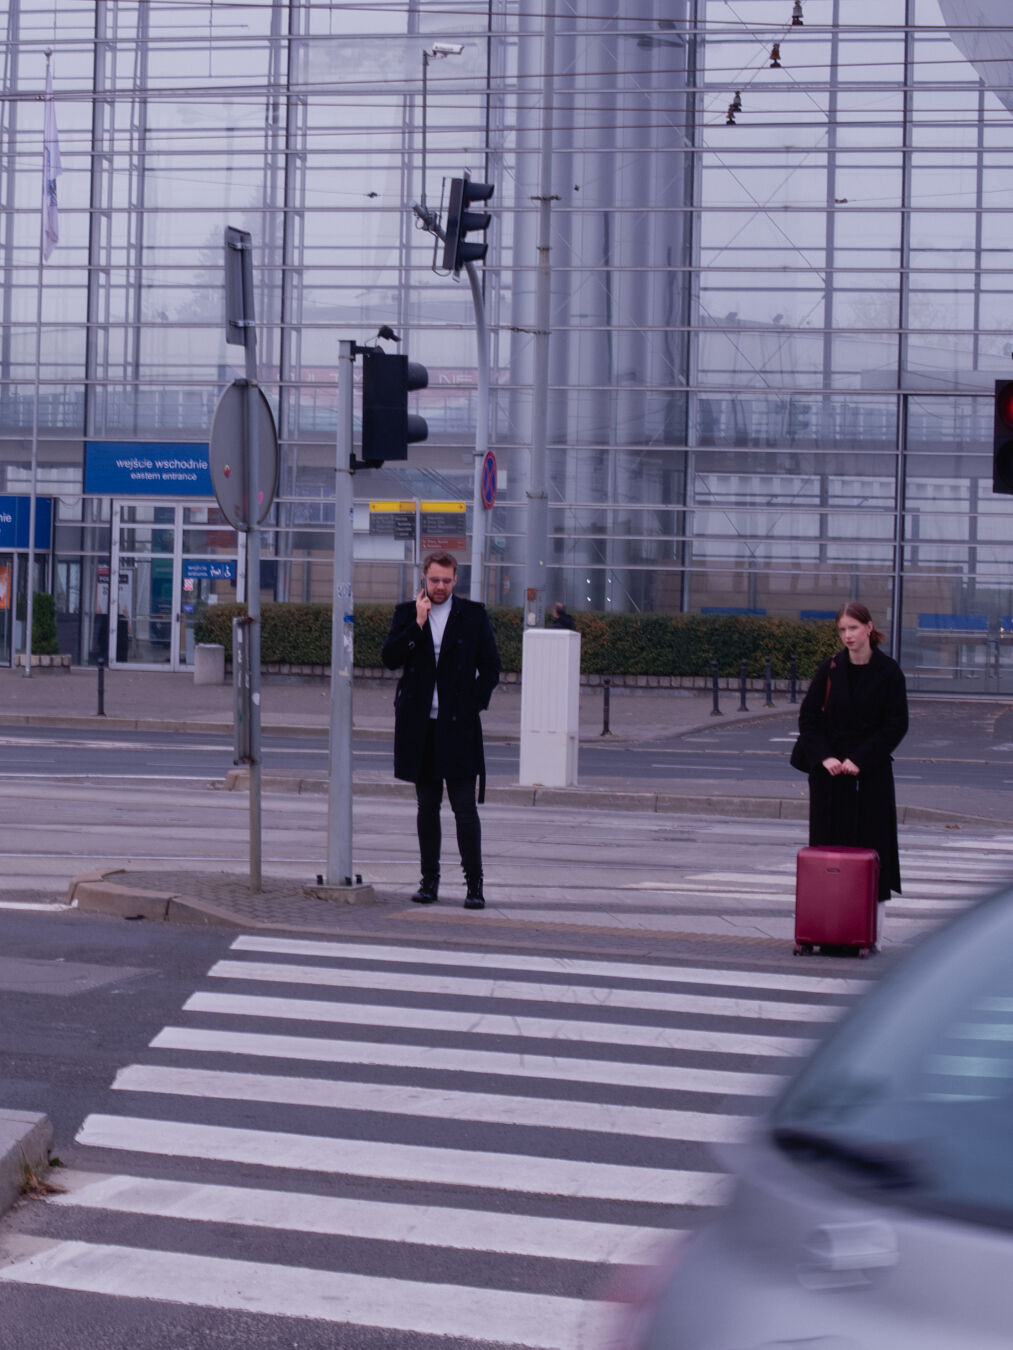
<point x="489" y="480"/>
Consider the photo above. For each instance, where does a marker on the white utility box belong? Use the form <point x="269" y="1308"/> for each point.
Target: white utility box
<point x="550" y="707"/>
<point x="209" y="663"/>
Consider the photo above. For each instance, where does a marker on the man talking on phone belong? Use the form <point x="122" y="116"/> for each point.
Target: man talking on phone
<point x="449" y="665"/>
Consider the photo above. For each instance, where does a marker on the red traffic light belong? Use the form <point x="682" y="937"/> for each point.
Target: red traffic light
<point x="1004" y="402"/>
<point x="1002" y="438"/>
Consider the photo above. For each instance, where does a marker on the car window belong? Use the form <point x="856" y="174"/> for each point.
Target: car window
<point x="912" y="1095"/>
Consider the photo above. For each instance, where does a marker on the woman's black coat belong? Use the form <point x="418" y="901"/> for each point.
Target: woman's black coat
<point x="865" y="725"/>
<point x="467" y="674"/>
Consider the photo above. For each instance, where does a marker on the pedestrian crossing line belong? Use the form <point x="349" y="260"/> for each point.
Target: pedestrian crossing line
<point x="774" y="878"/>
<point x="433" y="1103"/>
<point x="677" y="886"/>
<point x="498" y="1024"/>
<point x="558" y="965"/>
<point x="925" y="882"/>
<point x="382" y="1221"/>
<point x="926" y="863"/>
<point x="917" y="867"/>
<point x="597" y="996"/>
<point x="984" y="847"/>
<point x="49" y="906"/>
<point x="918" y="892"/>
<point x="538" y="1321"/>
<point x="665" y="1077"/>
<point x="945" y="890"/>
<point x="527" y="1174"/>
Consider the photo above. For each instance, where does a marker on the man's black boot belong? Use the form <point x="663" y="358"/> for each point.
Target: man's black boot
<point x="474" y="899"/>
<point x="428" y="888"/>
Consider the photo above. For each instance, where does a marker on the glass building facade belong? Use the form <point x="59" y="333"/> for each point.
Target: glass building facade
<point x="778" y="296"/>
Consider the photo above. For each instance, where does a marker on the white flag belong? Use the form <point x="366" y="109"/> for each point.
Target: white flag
<point x="51" y="169"/>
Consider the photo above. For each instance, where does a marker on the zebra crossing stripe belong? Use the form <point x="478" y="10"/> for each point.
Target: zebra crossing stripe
<point x="520" y="1173"/>
<point x="433" y="1103"/>
<point x="538" y="1321"/>
<point x="556" y="965"/>
<point x="666" y="1077"/>
<point x="597" y="996"/>
<point x="425" y="1225"/>
<point x="497" y="1024"/>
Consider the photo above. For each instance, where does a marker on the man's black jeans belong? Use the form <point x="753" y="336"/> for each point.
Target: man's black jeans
<point x="429" y="796"/>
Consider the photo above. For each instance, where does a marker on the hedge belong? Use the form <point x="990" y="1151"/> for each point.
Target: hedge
<point x="611" y="644"/>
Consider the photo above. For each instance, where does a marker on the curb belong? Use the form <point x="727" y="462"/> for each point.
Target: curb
<point x="603" y="799"/>
<point x="589" y="798"/>
<point x="96" y="893"/>
<point x="194" y="726"/>
<point x="25" y="1140"/>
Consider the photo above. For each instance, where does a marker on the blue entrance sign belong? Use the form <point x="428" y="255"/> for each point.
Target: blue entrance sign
<point x="147" y="469"/>
<point x="14" y="517"/>
<point x="209" y="569"/>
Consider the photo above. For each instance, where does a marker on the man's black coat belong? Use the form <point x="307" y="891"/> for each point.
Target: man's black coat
<point x="467" y="674"/>
<point x="865" y="725"/>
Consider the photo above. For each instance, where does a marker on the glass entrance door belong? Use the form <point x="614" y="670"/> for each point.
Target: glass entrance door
<point x="169" y="562"/>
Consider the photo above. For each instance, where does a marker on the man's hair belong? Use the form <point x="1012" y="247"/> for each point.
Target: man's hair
<point x="441" y="560"/>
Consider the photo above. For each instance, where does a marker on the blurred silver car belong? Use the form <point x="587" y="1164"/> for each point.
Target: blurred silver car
<point x="873" y="1205"/>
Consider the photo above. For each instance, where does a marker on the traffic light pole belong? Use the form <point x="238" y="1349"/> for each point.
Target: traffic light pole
<point x="253" y="606"/>
<point x="478" y="511"/>
<point x="537" y="492"/>
<point x="339" y="800"/>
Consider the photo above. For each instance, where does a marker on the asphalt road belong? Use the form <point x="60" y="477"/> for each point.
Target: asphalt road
<point x="410" y="1135"/>
<point x="279" y="1147"/>
<point x="742" y="753"/>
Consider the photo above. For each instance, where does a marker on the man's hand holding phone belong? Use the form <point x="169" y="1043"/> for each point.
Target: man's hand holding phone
<point x="422" y="607"/>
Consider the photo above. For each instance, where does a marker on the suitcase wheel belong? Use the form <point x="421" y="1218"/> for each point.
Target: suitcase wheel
<point x="803" y="949"/>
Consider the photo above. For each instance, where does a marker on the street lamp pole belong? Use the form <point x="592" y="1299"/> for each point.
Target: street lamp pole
<point x="537" y="493"/>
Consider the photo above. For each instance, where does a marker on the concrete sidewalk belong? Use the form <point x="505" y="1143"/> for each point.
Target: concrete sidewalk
<point x="293" y="704"/>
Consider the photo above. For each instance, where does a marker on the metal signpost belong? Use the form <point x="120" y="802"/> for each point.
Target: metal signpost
<point x="244" y="471"/>
<point x="339" y="800"/>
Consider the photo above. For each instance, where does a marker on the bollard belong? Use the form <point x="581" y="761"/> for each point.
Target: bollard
<point x="606" y="701"/>
<point x="716" y="710"/>
<point x="768" y="685"/>
<point x="101" y="687"/>
<point x="742" y="687"/>
<point x="792" y="678"/>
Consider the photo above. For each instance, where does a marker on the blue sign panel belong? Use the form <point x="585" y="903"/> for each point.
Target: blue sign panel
<point x="147" y="469"/>
<point x="14" y="518"/>
<point x="209" y="569"/>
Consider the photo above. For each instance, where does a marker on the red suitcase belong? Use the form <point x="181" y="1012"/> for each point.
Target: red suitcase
<point x="836" y="898"/>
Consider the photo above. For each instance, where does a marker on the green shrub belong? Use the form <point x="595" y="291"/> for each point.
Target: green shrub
<point x="45" y="641"/>
<point x="611" y="644"/>
<point x="296" y="633"/>
<point x="372" y="624"/>
<point x="508" y="629"/>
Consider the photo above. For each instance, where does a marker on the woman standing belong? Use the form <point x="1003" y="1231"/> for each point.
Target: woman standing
<point x="851" y="720"/>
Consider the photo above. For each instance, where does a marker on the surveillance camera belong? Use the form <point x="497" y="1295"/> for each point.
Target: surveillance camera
<point x="447" y="49"/>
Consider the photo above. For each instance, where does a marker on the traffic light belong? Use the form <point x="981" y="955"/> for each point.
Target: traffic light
<point x="1002" y="438"/>
<point x="388" y="428"/>
<point x="456" y="249"/>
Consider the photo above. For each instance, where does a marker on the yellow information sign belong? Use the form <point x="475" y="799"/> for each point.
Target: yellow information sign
<point x="392" y="518"/>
